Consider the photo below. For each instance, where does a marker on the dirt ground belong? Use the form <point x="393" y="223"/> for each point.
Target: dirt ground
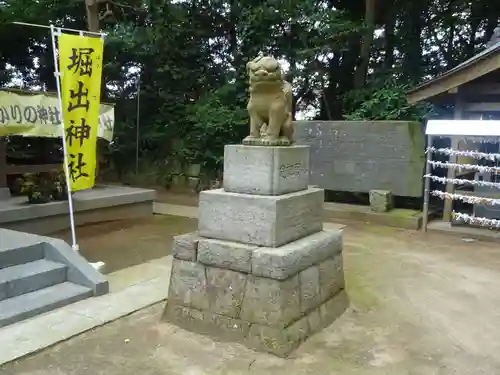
<point x="126" y="243"/>
<point x="420" y="305"/>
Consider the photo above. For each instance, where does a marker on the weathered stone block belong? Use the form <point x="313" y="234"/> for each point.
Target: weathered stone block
<point x="206" y="322"/>
<point x="188" y="284"/>
<point x="266" y="170"/>
<point x="185" y="246"/>
<point x="282" y="262"/>
<point x="310" y="297"/>
<point x="278" y="341"/>
<point x="331" y="277"/>
<point x="381" y="200"/>
<point x="226" y="254"/>
<point x="225" y="291"/>
<point x="271" y="302"/>
<point x="333" y="308"/>
<point x="260" y="220"/>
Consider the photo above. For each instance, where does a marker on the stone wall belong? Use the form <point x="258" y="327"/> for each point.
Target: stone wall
<point x="359" y="156"/>
<point x="192" y="178"/>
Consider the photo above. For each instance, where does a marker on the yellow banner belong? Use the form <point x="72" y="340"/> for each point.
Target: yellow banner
<point x="38" y="115"/>
<point x="80" y="63"/>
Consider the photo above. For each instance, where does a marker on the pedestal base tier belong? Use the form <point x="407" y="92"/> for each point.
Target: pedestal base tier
<point x="278" y="341"/>
<point x="265" y="170"/>
<point x="270" y="299"/>
<point x="258" y="219"/>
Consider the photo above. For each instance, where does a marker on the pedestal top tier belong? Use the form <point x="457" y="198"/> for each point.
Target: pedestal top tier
<point x="265" y="170"/>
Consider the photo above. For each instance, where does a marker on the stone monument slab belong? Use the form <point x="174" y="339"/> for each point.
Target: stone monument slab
<point x="265" y="170"/>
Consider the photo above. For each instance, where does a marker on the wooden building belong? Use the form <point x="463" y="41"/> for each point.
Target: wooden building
<point x="472" y="89"/>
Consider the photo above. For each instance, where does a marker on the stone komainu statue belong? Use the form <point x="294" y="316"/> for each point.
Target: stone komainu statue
<point x="270" y="104"/>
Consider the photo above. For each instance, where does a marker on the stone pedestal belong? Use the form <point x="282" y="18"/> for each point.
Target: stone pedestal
<point x="260" y="270"/>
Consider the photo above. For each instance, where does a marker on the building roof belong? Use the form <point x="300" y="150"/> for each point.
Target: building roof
<point x="483" y="63"/>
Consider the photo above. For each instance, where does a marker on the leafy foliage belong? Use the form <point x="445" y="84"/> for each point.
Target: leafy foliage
<point x="187" y="60"/>
<point x="44" y="187"/>
<point x="384" y="102"/>
<point x="214" y="123"/>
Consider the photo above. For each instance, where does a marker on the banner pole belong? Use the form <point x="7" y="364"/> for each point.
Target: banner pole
<point x="57" y="75"/>
<point x="427" y="184"/>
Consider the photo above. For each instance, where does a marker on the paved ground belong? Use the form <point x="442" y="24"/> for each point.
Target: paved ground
<point x="420" y="306"/>
<point x="126" y="243"/>
<point x="132" y="289"/>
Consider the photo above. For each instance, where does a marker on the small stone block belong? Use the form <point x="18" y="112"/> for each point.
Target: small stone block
<point x="225" y="291"/>
<point x="188" y="284"/>
<point x="179" y="181"/>
<point x="226" y="254"/>
<point x="271" y="302"/>
<point x="331" y="277"/>
<point x="381" y="200"/>
<point x="193" y="170"/>
<point x="259" y="219"/>
<point x="185" y="246"/>
<point x="282" y="262"/>
<point x="265" y="170"/>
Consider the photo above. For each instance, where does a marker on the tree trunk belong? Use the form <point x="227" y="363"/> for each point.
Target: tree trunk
<point x="390" y="42"/>
<point x="412" y="48"/>
<point x="366" y="44"/>
<point x="92" y="9"/>
<point x="474" y="25"/>
<point x="233" y="32"/>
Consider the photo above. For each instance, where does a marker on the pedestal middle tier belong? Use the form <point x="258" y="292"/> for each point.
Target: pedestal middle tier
<point x="261" y="220"/>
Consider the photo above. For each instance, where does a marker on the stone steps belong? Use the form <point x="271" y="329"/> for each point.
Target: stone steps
<point x="40" y="301"/>
<point x="28" y="277"/>
<point x="40" y="274"/>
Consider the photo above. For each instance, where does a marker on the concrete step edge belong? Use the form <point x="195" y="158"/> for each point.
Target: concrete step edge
<point x="43" y="300"/>
<point x="19" y="255"/>
<point x="31" y="276"/>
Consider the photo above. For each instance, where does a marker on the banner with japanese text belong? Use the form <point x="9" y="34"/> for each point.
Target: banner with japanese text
<point x="37" y="115"/>
<point x="80" y="63"/>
